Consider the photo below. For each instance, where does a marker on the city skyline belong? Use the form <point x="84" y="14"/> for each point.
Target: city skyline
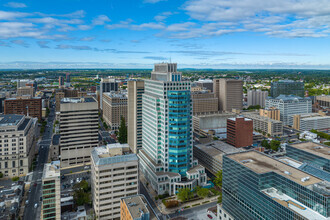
<point x="136" y="34"/>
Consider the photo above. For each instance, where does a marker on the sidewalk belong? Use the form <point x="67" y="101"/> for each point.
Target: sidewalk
<point x="161" y="207"/>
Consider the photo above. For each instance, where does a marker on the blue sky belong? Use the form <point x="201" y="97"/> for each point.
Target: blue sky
<point x="139" y="33"/>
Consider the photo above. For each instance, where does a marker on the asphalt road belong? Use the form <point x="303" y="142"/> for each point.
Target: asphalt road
<point x="34" y="196"/>
<point x="193" y="211"/>
<point x="105" y="134"/>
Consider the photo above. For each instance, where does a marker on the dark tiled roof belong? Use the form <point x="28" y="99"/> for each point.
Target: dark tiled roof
<point x="10" y="119"/>
<point x="24" y="124"/>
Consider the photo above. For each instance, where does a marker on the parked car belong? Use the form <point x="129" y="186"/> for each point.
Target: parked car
<point x="210" y="216"/>
<point x="26" y="202"/>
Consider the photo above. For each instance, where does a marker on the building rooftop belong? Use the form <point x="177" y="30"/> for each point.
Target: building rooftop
<point x="121" y="95"/>
<point x="78" y="100"/>
<point x="238" y="118"/>
<point x="260" y="163"/>
<point x="112" y="153"/>
<point x="256" y="116"/>
<point x="25" y="97"/>
<point x="289" y="98"/>
<point x="51" y="170"/>
<point x="218" y="148"/>
<point x="137" y="205"/>
<point x="313" y="148"/>
<point x="10" y="120"/>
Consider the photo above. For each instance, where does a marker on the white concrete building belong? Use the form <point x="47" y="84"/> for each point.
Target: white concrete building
<point x="114" y="174"/>
<point x="257" y="97"/>
<point x="79" y="130"/>
<point x="289" y="106"/>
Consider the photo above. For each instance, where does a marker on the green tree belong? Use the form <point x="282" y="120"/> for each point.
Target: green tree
<point x="275" y="145"/>
<point x="202" y="192"/>
<point x="1" y="175"/>
<point x="220" y="198"/>
<point x="82" y="193"/>
<point x="15" y="178"/>
<point x="218" y="179"/>
<point x="265" y="144"/>
<point x="185" y="194"/>
<point x="122" y="134"/>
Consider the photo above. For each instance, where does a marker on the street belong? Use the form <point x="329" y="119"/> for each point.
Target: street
<point x="30" y="212"/>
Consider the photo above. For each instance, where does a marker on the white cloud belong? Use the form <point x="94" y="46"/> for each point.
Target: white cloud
<point x="162" y="16"/>
<point x="153" y="1"/>
<point x="43" y="44"/>
<point x="87" y="39"/>
<point x="101" y="20"/>
<point x="281" y="18"/>
<point x="15" y="5"/>
<point x="6" y="15"/>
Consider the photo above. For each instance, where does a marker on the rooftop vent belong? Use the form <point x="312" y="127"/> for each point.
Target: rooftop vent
<point x="318" y="147"/>
<point x="287" y="172"/>
<point x="304" y="179"/>
<point x="246" y="161"/>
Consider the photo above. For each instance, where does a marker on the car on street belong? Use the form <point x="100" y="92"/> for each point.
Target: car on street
<point x="30" y="190"/>
<point x="26" y="202"/>
<point x="209" y="216"/>
<point x="36" y="205"/>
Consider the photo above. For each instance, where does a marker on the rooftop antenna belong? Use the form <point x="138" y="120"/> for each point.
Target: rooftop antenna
<point x="27" y="111"/>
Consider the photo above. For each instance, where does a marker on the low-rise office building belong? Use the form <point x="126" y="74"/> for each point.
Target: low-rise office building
<point x="210" y="154"/>
<point x="265" y="125"/>
<point x="115" y="174"/>
<point x="17" y="143"/>
<point x="136" y="207"/>
<point x="256" y="186"/>
<point x="210" y="121"/>
<point x="27" y="90"/>
<point x="309" y="121"/>
<point x="272" y="113"/>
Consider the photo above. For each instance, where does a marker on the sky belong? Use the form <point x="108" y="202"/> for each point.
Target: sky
<point x="218" y="34"/>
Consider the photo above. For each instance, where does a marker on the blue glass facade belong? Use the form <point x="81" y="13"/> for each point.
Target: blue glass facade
<point x="308" y="158"/>
<point x="179" y="120"/>
<point x="243" y="198"/>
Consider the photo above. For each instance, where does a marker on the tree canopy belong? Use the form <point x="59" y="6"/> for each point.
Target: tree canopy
<point x="185" y="194"/>
<point x="122" y="134"/>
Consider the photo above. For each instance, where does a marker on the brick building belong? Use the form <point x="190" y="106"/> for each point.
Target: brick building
<point x="240" y="132"/>
<point x="24" y="106"/>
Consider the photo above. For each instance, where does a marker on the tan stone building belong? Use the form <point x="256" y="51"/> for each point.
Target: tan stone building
<point x="229" y="92"/>
<point x="265" y="124"/>
<point x="17" y="141"/>
<point x="114" y="107"/>
<point x="27" y="90"/>
<point x="78" y="129"/>
<point x="204" y="102"/>
<point x="309" y="121"/>
<point x="272" y="113"/>
<point x="114" y="174"/>
<point x="51" y="192"/>
<point x="134" y="117"/>
<point x="67" y="93"/>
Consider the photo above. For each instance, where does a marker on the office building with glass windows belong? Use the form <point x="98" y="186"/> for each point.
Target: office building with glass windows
<point x="313" y="154"/>
<point x="51" y="192"/>
<point x="256" y="186"/>
<point x="289" y="105"/>
<point x="166" y="157"/>
<point x="287" y="87"/>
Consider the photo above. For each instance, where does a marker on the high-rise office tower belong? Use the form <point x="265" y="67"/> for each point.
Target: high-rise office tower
<point x="204" y="102"/>
<point x="79" y="130"/>
<point x="289" y="106"/>
<point x="240" y="131"/>
<point x="166" y="157"/>
<point x="135" y="91"/>
<point x="60" y="81"/>
<point x="256" y="186"/>
<point x="287" y="87"/>
<point x="114" y="175"/>
<point x="229" y="92"/>
<point x="51" y="191"/>
<point x="114" y="107"/>
<point x="107" y="85"/>
<point x="257" y="97"/>
<point x="67" y="76"/>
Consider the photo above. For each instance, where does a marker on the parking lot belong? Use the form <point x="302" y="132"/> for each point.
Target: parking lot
<point x="69" y="180"/>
